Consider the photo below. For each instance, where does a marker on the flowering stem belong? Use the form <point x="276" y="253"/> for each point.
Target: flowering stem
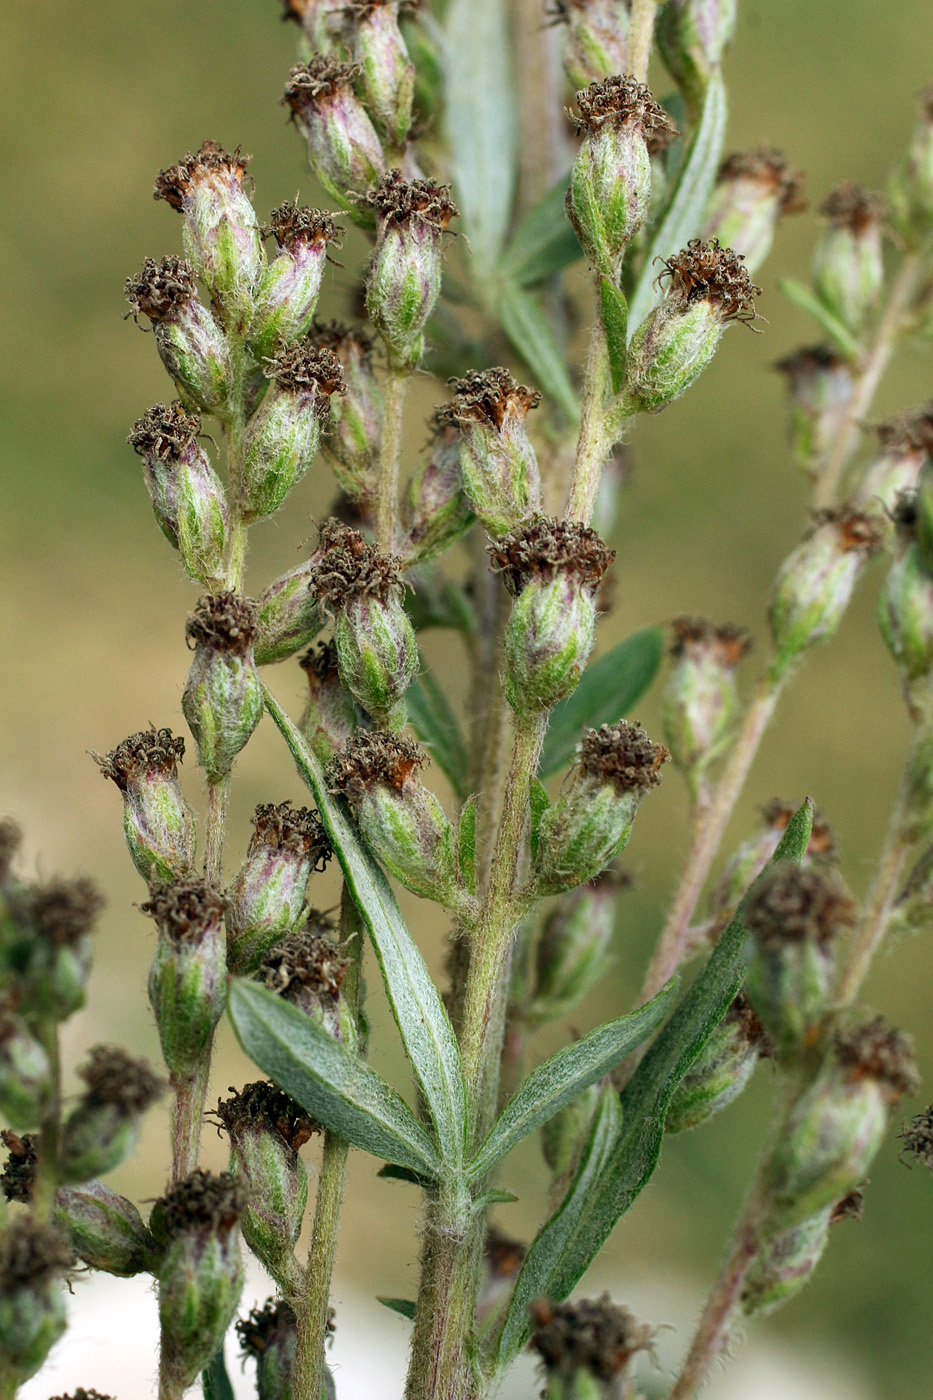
<point x="641" y="37"/>
<point x="396" y="384"/>
<point x="591" y="441"/>
<point x="187" y="1112"/>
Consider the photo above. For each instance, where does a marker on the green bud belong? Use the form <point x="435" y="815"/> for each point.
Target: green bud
<point x="789" y="1257"/>
<point x="747" y="863"/>
<point x="321" y="20"/>
<point x="220" y="231"/>
<point x="754" y="189"/>
<point x="400" y="819"/>
<point x="222" y="701"/>
<point x="692" y="36"/>
<point x="331" y="716"/>
<point x="610" y="184"/>
<point x="352" y="440"/>
<point x="377" y="649"/>
<point x="563" y="1134"/>
<point x="905" y="605"/>
<point x="553" y="569"/>
<point x="188" y="978"/>
<point x="591" y="821"/>
<point x="911" y="189"/>
<point x="25" y="1074"/>
<point x="387" y="74"/>
<point x="289" y="618"/>
<point x="848" y="272"/>
<point x="34" y="1260"/>
<point x="269" y="1337"/>
<point x="500" y="470"/>
<point x="18" y="1178"/>
<point x="46" y="946"/>
<point x="906" y="443"/>
<point x="345" y="152"/>
<point x="268" y="895"/>
<point x="308" y="969"/>
<point x="814" y="584"/>
<point x="288" y="291"/>
<point x="192" y="346"/>
<point x="820" y="387"/>
<point x="157" y="821"/>
<point x="721" y="1070"/>
<point x="437" y="511"/>
<point x="103" y="1127"/>
<point x="571" y="952"/>
<point x="283" y="434"/>
<point x="201" y="1275"/>
<point x="585" y="1347"/>
<point x="596" y="42"/>
<point x="708" y="288"/>
<point x="701" y="699"/>
<point x="106" y="1230"/>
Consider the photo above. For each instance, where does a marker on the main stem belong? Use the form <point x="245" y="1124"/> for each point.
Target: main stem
<point x="386" y="511"/>
<point x="591" y="440"/>
<point x="641" y="36"/>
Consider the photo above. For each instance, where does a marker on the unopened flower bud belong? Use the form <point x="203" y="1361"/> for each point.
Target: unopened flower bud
<point x="785" y="1263"/>
<point x="345" y="151"/>
<point x="754" y="189"/>
<point x="288" y="291"/>
<point x="308" y="969"/>
<point x="331" y="715"/>
<point x="192" y="346"/>
<point x="596" y="42"/>
<point x="25" y="1074"/>
<point x="692" y="36"/>
<point x="321" y="20"/>
<point x="187" y="498"/>
<point x="563" y="1134"/>
<point x="269" y="1337"/>
<point x="610" y="184"/>
<point x="586" y="1346"/>
<point x="106" y="1230"/>
<point x="268" y="895"/>
<point x="905" y="443"/>
<point x="289" y="617"/>
<point x="500" y="470"/>
<point x="553" y="569"/>
<point x="222" y="701"/>
<point x="18" y="1178"/>
<point x="571" y="952"/>
<point x="188" y="978"/>
<point x="351" y="441"/>
<point x="820" y="387"/>
<point x="911" y="189"/>
<point x="905" y="606"/>
<point x="815" y="582"/>
<point x="400" y="819"/>
<point x="848" y="272"/>
<point x="283" y="435"/>
<point x="265" y="1129"/>
<point x="34" y="1260"/>
<point x="437" y="511"/>
<point x="103" y="1127"/>
<point x="201" y="1276"/>
<point x="747" y="863"/>
<point x="49" y="949"/>
<point x="387" y="74"/>
<point x="591" y="821"/>
<point x="795" y="917"/>
<point x="838" y="1123"/>
<point x="722" y="1069"/>
<point x="708" y="288"/>
<point x="700" y="699"/>
<point x="377" y="649"/>
<point x="220" y="232"/>
<point x="157" y="821"/>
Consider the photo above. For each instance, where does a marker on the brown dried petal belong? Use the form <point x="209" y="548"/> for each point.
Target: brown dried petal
<point x="347" y="568"/>
<point x="877" y="1050"/>
<point x="591" y="1335"/>
<point x="149" y="752"/>
<point x="299" y="831"/>
<point x="225" y="621"/>
<point x="400" y="201"/>
<point x="165" y="432"/>
<point x="708" y="272"/>
<point x="161" y="287"/>
<point x="768" y="167"/>
<point x="491" y="395"/>
<point x="621" y="100"/>
<point x="305" y="366"/>
<point x="31" y="1254"/>
<point x="261" y="1107"/>
<point x="308" y="959"/>
<point x="184" y="910"/>
<point x="315" y="83"/>
<point x="294" y="224"/>
<point x="373" y="759"/>
<point x="174" y="184"/>
<point x="698" y="637"/>
<point x="114" y="1077"/>
<point x="793" y="905"/>
<point x="852" y="207"/>
<point x="622" y="754"/>
<point x="545" y="547"/>
<point x="203" y="1202"/>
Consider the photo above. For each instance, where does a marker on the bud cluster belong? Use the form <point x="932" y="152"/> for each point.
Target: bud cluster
<point x="267" y="897"/>
<point x="187" y="498"/>
<point x="103" y="1127"/>
<point x="188" y="978"/>
<point x="701" y="698"/>
<point x="820" y="386"/>
<point x="157" y="821"/>
<point x="497" y="460"/>
<point x="352" y="439"/>
<point x="222" y="701"/>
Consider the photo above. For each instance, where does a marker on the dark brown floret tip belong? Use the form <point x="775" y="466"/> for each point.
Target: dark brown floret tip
<point x="320" y="662"/>
<point x="185" y="910"/>
<point x="31" y="1254"/>
<point x="544" y="548"/>
<point x="621" y="100"/>
<point x="261" y="1107"/>
<point x="294" y="224"/>
<point x="858" y="533"/>
<point x="708" y="272"/>
<point x="82" y="1394"/>
<point x="698" y="637"/>
<point x="622" y="754"/>
<point x="226" y="621"/>
<point x="307" y="960"/>
<point x="917" y="1137"/>
<point x="203" y="1201"/>
<point x="491" y="395"/>
<point x="810" y="360"/>
<point x="877" y="1050"/>
<point x="400" y="201"/>
<point x="10" y="840"/>
<point x="312" y="84"/>
<point x="305" y="366"/>
<point x="767" y="167"/>
<point x="265" y="1326"/>
<point x="852" y="207"/>
<point x="63" y="910"/>
<point x="347" y="342"/>
<point x="298" y="831"/>
<point x="151" y="752"/>
<point x="374" y="759"/>
<point x="19" y="1172"/>
<point x="593" y="1335"/>
<point x="165" y="433"/>
<point x="161" y="287"/>
<point x="908" y="433"/>
<point x="849" y="1208"/>
<point x="347" y="567"/>
<point x="114" y="1077"/>
<point x="777" y="814"/>
<point x="741" y="1014"/>
<point x="792" y="905"/>
<point x="362" y="9"/>
<point x="206" y="165"/>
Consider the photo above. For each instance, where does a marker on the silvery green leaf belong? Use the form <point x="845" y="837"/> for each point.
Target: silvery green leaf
<point x="544" y="242"/>
<point x="416" y="1005"/>
<point x="403" y="1306"/>
<point x="530" y="332"/>
<point x="332" y="1083"/>
<point x="435" y="723"/>
<point x="565" y="1075"/>
<point x="615" y="320"/>
<point x="806" y="300"/>
<point x="215" y="1383"/>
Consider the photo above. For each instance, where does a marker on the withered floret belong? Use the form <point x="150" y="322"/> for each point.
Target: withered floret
<point x="264" y="1325"/>
<point x="227" y="621"/>
<point x="544" y="548"/>
<point x="173" y="184"/>
<point x="858" y="532"/>
<point x="31" y="1253"/>
<point x="299" y="831"/>
<point x="152" y="750"/>
<point x="620" y="100"/>
<point x="400" y="201"/>
<point x="917" y="1137"/>
<point x="792" y="905"/>
<point x="908" y="432"/>
<point x="114" y="1077"/>
<point x="622" y="754"/>
<point x="595" y="1335"/>
<point x="304" y="366"/>
<point x="182" y="910"/>
<point x="877" y="1050"/>
<point x="202" y="1201"/>
<point x="852" y="207"/>
<point x="490" y="394"/>
<point x="768" y="167"/>
<point x="165" y="432"/>
<point x="347" y="567"/>
<point x="161" y="287"/>
<point x="321" y="660"/>
<point x="727" y="643"/>
<point x="322" y="78"/>
<point x="334" y="335"/>
<point x="850" y="1207"/>
<point x="293" y="224"/>
<point x="373" y="758"/>
<point x="82" y="1394"/>
<point x="307" y="959"/>
<point x="62" y="911"/>
<point x="709" y="272"/>
<point x="261" y="1105"/>
<point x="19" y="1171"/>
<point x="800" y="364"/>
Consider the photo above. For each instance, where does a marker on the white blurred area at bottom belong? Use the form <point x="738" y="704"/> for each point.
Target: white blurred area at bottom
<point x="112" y="1340"/>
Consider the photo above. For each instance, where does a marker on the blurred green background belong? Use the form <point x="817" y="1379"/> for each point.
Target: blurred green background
<point x="95" y="100"/>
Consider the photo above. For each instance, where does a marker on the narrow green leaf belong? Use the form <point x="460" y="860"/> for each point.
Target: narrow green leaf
<point x="416" y="1005"/>
<point x="544" y="242"/>
<point x="539" y="802"/>
<point x="530" y="332"/>
<point x="493" y="1198"/>
<point x="683" y="217"/>
<point x="335" y="1086"/>
<point x="215" y="1383"/>
<point x="615" y="320"/>
<point x="434" y="722"/>
<point x="607" y="691"/>
<point x="467" y="844"/>
<point x="390" y="1172"/>
<point x="565" y="1075"/>
<point x="793" y="844"/>
<point x="403" y="1306"/>
<point x="806" y="300"/>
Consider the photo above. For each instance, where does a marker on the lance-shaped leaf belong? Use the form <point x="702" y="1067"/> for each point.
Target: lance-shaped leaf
<point x="544" y="242"/>
<point x="615" y="320"/>
<point x="215" y="1383"/>
<point x="530" y="332"/>
<point x="434" y="722"/>
<point x="416" y="1005"/>
<point x="806" y="300"/>
<point x="403" y="1306"/>
<point x="335" y="1086"/>
<point x="553" y="1085"/>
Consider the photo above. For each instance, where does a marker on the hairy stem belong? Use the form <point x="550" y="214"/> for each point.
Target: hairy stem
<point x="386" y="507"/>
<point x="187" y="1115"/>
<point x="641" y="37"/>
<point x="592" y="445"/>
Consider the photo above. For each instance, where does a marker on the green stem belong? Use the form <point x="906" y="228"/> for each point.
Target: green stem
<point x="386" y="511"/>
<point x="592" y="444"/>
<point x="187" y="1116"/>
<point x="641" y="37"/>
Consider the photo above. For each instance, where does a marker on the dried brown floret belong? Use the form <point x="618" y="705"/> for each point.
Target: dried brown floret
<point x="293" y="224"/>
<point x="491" y="395"/>
<point x="347" y="567"/>
<point x="777" y="814"/>
<point x="917" y="1137"/>
<point x="852" y="207"/>
<point x="858" y="532"/>
<point x="503" y="1255"/>
<point x="593" y="1335"/>
<point x="304" y="366"/>
<point x="400" y="201"/>
<point x="82" y="1394"/>
<point x="544" y="547"/>
<point x="361" y="9"/>
<point x="202" y="1201"/>
<point x="226" y="621"/>
<point x="211" y="160"/>
<point x="165" y="432"/>
<point x="621" y="100"/>
<point x="697" y="636"/>
<point x="849" y="1208"/>
<point x="151" y="751"/>
<point x="345" y="341"/>
<point x="307" y="960"/>
<point x="62" y="911"/>
<point x="809" y="360"/>
<point x="908" y="433"/>
<point x="767" y="167"/>
<point x="742" y="1014"/>
<point x="161" y="287"/>
<point x="793" y="905"/>
<point x="877" y="1050"/>
<point x="299" y="831"/>
<point x="313" y="84"/>
<point x="265" y="1326"/>
<point x="10" y="840"/>
<point x="373" y="759"/>
<point x="19" y="1172"/>
<point x="184" y="910"/>
<point x="321" y="661"/>
<point x="622" y="753"/>
<point x="708" y="272"/>
<point x="262" y="1107"/>
<point x="114" y="1077"/>
<point x="31" y="1254"/>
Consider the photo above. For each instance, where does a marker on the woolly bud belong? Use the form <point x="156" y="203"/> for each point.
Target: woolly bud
<point x="585" y="1342"/>
<point x="18" y="1178"/>
<point x="222" y="701"/>
<point x="693" y="36"/>
<point x="220" y="232"/>
<point x="400" y="819"/>
<point x="289" y="617"/>
<point x="157" y="821"/>
<point x="814" y="584"/>
<point x="201" y="1276"/>
<point x="596" y="42"/>
<point x="106" y="1230"/>
<point x="34" y="1259"/>
<point x="308" y="970"/>
<point x="284" y="432"/>
<point x="722" y="1069"/>
<point x="287" y="294"/>
<point x="820" y="388"/>
<point x="377" y="650"/>
<point x="48" y="951"/>
<point x="905" y="606"/>
<point x="352" y="440"/>
<point x="268" y="894"/>
<point x="754" y="189"/>
<point x="906" y="443"/>
<point x="321" y="20"/>
<point x="591" y="821"/>
<point x="437" y="511"/>
<point x="700" y="699"/>
<point x="500" y="470"/>
<point x="269" y="1337"/>
<point x="188" y="978"/>
<point x="708" y="288"/>
<point x="571" y="952"/>
<point x="747" y="863"/>
<point x="911" y="189"/>
<point x="848" y="272"/>
<point x="387" y="74"/>
<point x="785" y="1263"/>
<point x="345" y="152"/>
<point x="610" y="183"/>
<point x="331" y="716"/>
<point x="25" y="1074"/>
<point x="103" y="1127"/>
<point x="187" y="498"/>
<point x="191" y="345"/>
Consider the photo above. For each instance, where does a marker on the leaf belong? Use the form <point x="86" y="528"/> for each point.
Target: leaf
<point x="332" y="1083"/>
<point x="544" y="242"/>
<point x="615" y="321"/>
<point x="645" y="1100"/>
<point x="390" y="1172"/>
<point x="539" y="802"/>
<point x="806" y="300"/>
<point x="607" y="690"/>
<point x="215" y="1383"/>
<point x="416" y="1005"/>
<point x="565" y="1075"/>
<point x="433" y="720"/>
<point x="466" y="855"/>
<point x="684" y="215"/>
<point x="530" y="332"/>
<point x="403" y="1306"/>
